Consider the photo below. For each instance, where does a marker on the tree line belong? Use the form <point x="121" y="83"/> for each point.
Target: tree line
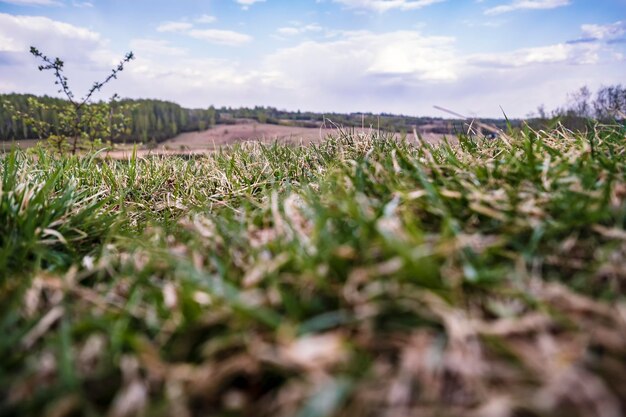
<point x="608" y="104"/>
<point x="156" y="120"/>
<point x="149" y="120"/>
<point x="153" y="121"/>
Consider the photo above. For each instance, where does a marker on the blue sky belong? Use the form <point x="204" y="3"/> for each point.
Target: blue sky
<point x="400" y="56"/>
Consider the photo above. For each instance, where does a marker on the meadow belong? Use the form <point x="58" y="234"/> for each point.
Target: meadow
<point x="359" y="276"/>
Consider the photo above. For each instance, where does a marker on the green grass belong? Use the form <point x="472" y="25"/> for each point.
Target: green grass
<point x="358" y="277"/>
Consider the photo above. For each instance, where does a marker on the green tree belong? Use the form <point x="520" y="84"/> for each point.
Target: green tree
<point x="77" y="123"/>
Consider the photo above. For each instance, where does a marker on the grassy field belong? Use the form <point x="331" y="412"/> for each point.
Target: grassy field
<point x="356" y="277"/>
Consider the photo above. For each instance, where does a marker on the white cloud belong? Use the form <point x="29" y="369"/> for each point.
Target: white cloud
<point x="412" y="55"/>
<point x="194" y="82"/>
<point x="491" y="24"/>
<point x="527" y="5"/>
<point x="604" y="32"/>
<point x="399" y="71"/>
<point x="386" y="5"/>
<point x="407" y="72"/>
<point x="299" y="30"/>
<point x="174" y="27"/>
<point x="221" y="37"/>
<point x="364" y="60"/>
<point x="185" y="25"/>
<point x="155" y="47"/>
<point x="573" y="54"/>
<point x="205" y="18"/>
<point x="33" y="2"/>
<point x="216" y="36"/>
<point x="18" y="33"/>
<point x="245" y="4"/>
<point x="288" y="31"/>
<point x="84" y="52"/>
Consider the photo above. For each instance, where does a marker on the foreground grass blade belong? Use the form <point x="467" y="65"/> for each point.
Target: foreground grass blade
<point x="361" y="276"/>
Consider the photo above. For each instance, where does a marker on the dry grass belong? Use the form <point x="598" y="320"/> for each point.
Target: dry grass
<point x="359" y="277"/>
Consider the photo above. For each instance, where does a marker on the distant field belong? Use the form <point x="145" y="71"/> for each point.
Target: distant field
<point x="230" y="134"/>
<point x="227" y="135"/>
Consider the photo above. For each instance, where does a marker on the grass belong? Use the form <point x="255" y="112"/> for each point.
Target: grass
<point x="359" y="277"/>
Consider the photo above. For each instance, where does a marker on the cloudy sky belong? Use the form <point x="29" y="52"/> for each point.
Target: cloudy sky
<point x="400" y="56"/>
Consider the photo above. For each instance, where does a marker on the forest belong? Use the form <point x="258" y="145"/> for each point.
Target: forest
<point x="149" y="120"/>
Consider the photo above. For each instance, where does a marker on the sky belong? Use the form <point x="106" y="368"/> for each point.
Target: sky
<point x="478" y="57"/>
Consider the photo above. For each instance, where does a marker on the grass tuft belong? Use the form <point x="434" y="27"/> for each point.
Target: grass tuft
<point x="362" y="276"/>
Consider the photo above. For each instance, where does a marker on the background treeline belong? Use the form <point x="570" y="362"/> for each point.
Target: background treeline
<point x="607" y="105"/>
<point x="384" y="121"/>
<point x="156" y="120"/>
<point x="150" y="120"/>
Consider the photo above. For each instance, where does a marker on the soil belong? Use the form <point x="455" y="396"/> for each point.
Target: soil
<point x="193" y="143"/>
